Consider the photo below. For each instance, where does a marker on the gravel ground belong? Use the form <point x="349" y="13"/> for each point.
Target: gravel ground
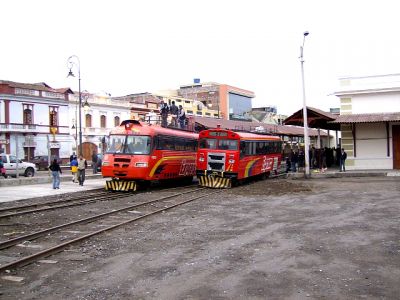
<point x="273" y="239"/>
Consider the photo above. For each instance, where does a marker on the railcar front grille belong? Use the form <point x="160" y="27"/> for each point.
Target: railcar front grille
<point x="216" y="162"/>
<point x="122" y="160"/>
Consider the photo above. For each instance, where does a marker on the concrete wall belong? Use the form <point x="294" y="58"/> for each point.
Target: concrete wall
<point x="373" y="103"/>
<point x="371" y="147"/>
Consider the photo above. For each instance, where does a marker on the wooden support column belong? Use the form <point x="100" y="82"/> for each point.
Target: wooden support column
<point x="353" y="131"/>
<point x="387" y="139"/>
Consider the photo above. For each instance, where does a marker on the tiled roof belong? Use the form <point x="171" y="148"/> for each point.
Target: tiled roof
<point x="41" y="86"/>
<point x="316" y="119"/>
<point x="367" y="118"/>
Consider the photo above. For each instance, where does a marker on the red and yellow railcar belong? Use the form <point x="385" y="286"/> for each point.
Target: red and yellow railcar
<point x="225" y="157"/>
<point x="139" y="153"/>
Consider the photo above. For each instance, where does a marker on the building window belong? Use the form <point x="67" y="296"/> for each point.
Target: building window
<point x="116" y="121"/>
<point x="88" y="119"/>
<point x="28" y="114"/>
<point x="103" y="121"/>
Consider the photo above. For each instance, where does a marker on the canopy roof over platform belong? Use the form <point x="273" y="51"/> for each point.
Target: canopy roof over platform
<point x="316" y="119"/>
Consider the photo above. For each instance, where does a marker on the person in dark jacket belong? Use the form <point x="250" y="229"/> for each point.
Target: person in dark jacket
<point x="94" y="162"/>
<point x="164" y="110"/>
<point x="55" y="173"/>
<point x="343" y="157"/>
<point x="181" y="117"/>
<point x="294" y="159"/>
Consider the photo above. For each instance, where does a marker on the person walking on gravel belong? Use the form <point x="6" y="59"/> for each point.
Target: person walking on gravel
<point x="55" y="173"/>
<point x="82" y="164"/>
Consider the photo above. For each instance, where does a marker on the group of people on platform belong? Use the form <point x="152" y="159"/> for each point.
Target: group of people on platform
<point x="78" y="166"/>
<point x="318" y="159"/>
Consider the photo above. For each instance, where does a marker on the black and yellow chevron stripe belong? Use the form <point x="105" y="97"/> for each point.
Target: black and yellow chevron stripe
<point x="120" y="185"/>
<point x="215" y="182"/>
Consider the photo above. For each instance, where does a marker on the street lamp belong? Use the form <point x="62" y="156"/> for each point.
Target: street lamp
<point x="73" y="60"/>
<point x="305" y="119"/>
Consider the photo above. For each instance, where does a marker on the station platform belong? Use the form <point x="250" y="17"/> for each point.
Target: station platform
<point x="335" y="173"/>
<point x="12" y="189"/>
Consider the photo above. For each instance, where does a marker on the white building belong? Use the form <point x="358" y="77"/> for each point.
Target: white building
<point x="36" y="119"/>
<point x="103" y="114"/>
<point x="370" y="121"/>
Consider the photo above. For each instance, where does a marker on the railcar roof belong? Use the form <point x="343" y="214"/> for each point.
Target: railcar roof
<point x="248" y="135"/>
<point x="140" y="128"/>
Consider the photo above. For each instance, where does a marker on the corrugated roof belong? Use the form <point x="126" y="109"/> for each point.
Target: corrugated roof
<point x="367" y="118"/>
<point x="251" y="126"/>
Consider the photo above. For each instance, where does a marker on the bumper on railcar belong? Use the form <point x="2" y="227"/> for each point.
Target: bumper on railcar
<point x="215" y="182"/>
<point x="121" y="186"/>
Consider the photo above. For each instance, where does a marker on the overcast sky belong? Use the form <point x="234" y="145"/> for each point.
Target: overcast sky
<point x="143" y="46"/>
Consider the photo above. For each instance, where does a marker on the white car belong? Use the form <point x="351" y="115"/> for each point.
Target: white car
<point x="10" y="163"/>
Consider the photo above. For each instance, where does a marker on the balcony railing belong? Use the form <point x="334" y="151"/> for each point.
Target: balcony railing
<point x="31" y="128"/>
<point x="18" y="128"/>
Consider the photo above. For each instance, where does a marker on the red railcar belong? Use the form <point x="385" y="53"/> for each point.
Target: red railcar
<point x="224" y="156"/>
<point x="139" y="153"/>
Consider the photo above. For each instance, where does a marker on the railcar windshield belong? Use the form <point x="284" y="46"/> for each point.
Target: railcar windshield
<point x="131" y="144"/>
<point x="222" y="144"/>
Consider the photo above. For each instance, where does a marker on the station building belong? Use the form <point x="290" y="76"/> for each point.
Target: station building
<point x="370" y="121"/>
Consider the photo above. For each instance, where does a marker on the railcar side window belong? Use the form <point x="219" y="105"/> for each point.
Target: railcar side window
<point x="175" y="143"/>
<point x="228" y="144"/>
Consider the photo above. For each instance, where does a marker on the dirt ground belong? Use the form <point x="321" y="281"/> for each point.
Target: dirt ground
<point x="274" y="239"/>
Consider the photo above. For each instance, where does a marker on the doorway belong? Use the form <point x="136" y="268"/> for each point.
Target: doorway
<point x="396" y="146"/>
<point x="29" y="153"/>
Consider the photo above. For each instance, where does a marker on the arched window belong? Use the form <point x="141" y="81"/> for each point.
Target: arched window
<point x="88" y="119"/>
<point x="103" y="121"/>
<point x="116" y="121"/>
<point x="28" y="116"/>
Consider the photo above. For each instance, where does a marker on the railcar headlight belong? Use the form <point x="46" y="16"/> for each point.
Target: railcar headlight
<point x="141" y="164"/>
<point x="231" y="161"/>
<point x="105" y="163"/>
<point x="201" y="159"/>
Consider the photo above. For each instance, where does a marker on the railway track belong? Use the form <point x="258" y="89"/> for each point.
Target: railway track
<point x="88" y="197"/>
<point x="20" y="251"/>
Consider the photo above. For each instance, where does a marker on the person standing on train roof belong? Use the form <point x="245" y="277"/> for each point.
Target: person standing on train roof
<point x="174" y="114"/>
<point x="164" y="110"/>
<point x="181" y="117"/>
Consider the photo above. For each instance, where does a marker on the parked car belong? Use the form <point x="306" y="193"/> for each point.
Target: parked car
<point x="11" y="162"/>
<point x="41" y="162"/>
